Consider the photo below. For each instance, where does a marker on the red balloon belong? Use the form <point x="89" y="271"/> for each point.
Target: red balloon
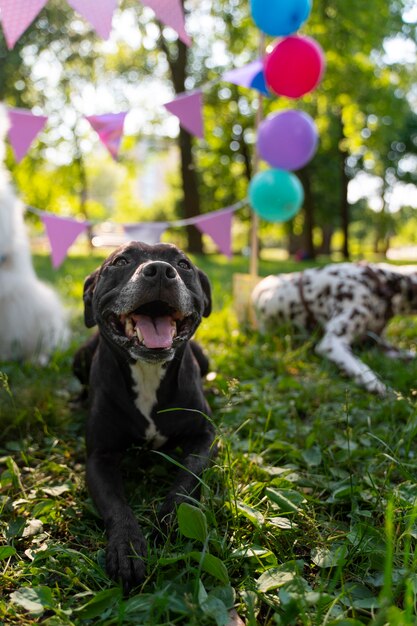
<point x="294" y="67"/>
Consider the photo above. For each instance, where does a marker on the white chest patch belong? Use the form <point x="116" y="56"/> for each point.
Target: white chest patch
<point x="146" y="380"/>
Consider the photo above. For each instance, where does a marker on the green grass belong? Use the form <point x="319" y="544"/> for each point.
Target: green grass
<point x="308" y="517"/>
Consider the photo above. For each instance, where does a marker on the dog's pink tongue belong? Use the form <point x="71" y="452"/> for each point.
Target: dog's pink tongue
<point x="157" y="332"/>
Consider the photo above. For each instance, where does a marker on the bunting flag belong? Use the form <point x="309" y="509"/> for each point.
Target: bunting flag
<point x="24" y="127"/>
<point x="148" y="232"/>
<point x="218" y="225"/>
<point x="251" y="76"/>
<point x="98" y="12"/>
<point x="170" y="13"/>
<point x="109" y="128"/>
<point x="62" y="232"/>
<point x="188" y="108"/>
<point x="16" y="16"/>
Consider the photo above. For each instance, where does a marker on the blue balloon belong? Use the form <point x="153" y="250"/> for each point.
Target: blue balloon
<point x="276" y="195"/>
<point x="259" y="83"/>
<point x="280" y="18"/>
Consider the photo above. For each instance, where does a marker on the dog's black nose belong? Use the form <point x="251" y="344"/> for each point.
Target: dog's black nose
<point x="159" y="269"/>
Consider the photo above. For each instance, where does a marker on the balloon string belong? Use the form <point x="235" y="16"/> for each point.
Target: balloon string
<point x="254" y="240"/>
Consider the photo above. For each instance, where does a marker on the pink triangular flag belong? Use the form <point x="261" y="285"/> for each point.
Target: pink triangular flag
<point x="98" y="12"/>
<point x="62" y="232"/>
<point x="218" y="225"/>
<point x="24" y="127"/>
<point x="16" y="16"/>
<point x="243" y="76"/>
<point x="188" y="108"/>
<point x="109" y="128"/>
<point x="148" y="232"/>
<point x="170" y="13"/>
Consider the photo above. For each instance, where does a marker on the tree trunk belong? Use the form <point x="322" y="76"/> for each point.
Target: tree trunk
<point x="308" y="214"/>
<point x="177" y="62"/>
<point x="344" y="180"/>
<point x="387" y="245"/>
<point x="295" y="243"/>
<point x="83" y="192"/>
<point x="247" y="159"/>
<point x="191" y="198"/>
<point x="327" y="234"/>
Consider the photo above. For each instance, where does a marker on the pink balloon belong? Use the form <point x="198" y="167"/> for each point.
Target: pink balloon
<point x="294" y="67"/>
<point x="287" y="140"/>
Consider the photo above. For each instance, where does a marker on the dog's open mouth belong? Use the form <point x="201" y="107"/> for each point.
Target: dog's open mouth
<point x="154" y="326"/>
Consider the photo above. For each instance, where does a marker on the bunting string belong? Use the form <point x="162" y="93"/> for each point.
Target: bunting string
<point x="17" y="15"/>
<point x="187" y="107"/>
<point x="62" y="232"/>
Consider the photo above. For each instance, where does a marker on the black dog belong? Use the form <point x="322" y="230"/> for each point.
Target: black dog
<point x="147" y="302"/>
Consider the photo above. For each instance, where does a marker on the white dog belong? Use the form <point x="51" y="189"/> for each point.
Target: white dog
<point x="32" y="319"/>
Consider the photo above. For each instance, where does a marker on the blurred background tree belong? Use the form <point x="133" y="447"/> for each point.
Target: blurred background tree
<point x="365" y="110"/>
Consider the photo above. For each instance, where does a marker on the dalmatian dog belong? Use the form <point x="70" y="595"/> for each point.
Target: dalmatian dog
<point x="33" y="321"/>
<point x="348" y="302"/>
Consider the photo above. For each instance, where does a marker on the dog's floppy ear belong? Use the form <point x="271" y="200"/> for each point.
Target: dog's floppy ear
<point x="89" y="286"/>
<point x="205" y="283"/>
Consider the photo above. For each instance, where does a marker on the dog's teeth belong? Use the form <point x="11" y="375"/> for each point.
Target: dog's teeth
<point x="173" y="328"/>
<point x="129" y="328"/>
<point x="139" y="334"/>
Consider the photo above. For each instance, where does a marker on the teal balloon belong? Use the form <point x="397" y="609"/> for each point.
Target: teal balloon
<point x="276" y="195"/>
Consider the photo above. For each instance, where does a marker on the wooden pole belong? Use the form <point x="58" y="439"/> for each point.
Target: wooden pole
<point x="254" y="240"/>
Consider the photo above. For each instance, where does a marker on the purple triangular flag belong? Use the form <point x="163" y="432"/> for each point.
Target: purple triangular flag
<point x="62" y="232"/>
<point x="250" y="75"/>
<point x="24" y="127"/>
<point x="188" y="108"/>
<point x="99" y="14"/>
<point x="218" y="225"/>
<point x="148" y="232"/>
<point x="16" y="16"/>
<point x="170" y="13"/>
<point x="109" y="128"/>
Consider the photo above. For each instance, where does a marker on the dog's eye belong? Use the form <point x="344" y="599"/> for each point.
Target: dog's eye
<point x="184" y="264"/>
<point x="119" y="261"/>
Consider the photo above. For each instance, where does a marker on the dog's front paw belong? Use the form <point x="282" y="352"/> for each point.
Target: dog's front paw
<point x="378" y="387"/>
<point x="125" y="557"/>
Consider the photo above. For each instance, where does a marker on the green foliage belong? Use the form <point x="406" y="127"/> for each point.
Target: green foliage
<point x="362" y="109"/>
<point x="307" y="517"/>
<point x="192" y="522"/>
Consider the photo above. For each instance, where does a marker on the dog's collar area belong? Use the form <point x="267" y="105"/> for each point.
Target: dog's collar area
<point x="311" y="321"/>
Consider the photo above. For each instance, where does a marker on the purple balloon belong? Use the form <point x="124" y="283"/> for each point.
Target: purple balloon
<point x="287" y="140"/>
